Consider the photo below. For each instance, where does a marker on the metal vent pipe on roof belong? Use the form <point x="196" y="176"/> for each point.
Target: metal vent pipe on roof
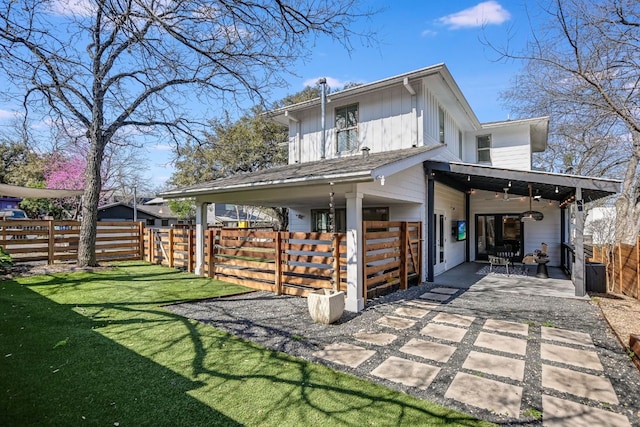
<point x="323" y="111"/>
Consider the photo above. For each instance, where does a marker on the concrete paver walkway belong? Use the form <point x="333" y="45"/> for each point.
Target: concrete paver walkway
<point x="492" y="375"/>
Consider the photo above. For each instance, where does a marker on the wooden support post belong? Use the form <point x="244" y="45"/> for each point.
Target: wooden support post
<point x="335" y="276"/>
<point x="52" y="243"/>
<point x="620" y="265"/>
<point x="404" y="256"/>
<point x="171" y="248"/>
<point x="141" y="236"/>
<point x="151" y="245"/>
<point x="278" y="263"/>
<point x="211" y="243"/>
<point x="190" y="249"/>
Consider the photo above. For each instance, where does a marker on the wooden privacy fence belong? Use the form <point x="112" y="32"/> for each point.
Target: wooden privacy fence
<point x="294" y="263"/>
<point x="280" y="262"/>
<point x="51" y="241"/>
<point x="392" y="255"/>
<point x="623" y="267"/>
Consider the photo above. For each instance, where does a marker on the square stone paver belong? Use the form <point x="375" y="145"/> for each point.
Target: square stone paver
<point x="407" y="372"/>
<point x="431" y="296"/>
<point x="566" y="336"/>
<point x="444" y="332"/>
<point x="411" y="312"/>
<point x="501" y="343"/>
<point x="428" y="350"/>
<point x="571" y="356"/>
<point x="560" y="413"/>
<point x="345" y="354"/>
<point x="495" y="365"/>
<point x="375" y="338"/>
<point x="423" y="304"/>
<point x="454" y="319"/>
<point x="396" y="322"/>
<point x="446" y="291"/>
<point x="506" y="327"/>
<point x="492" y="395"/>
<point x="579" y="384"/>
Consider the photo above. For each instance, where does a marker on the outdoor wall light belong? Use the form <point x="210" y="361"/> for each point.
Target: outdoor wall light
<point x="381" y="179"/>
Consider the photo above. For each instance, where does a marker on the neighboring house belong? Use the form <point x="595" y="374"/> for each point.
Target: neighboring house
<point x="153" y="216"/>
<point x="10" y="202"/>
<point x="229" y="215"/>
<point x="599" y="225"/>
<point x="410" y="148"/>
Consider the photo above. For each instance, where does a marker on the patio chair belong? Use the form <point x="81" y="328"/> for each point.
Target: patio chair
<point x="499" y="260"/>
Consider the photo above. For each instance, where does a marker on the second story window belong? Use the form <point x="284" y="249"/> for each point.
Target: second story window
<point x="484" y="148"/>
<point x="347" y="127"/>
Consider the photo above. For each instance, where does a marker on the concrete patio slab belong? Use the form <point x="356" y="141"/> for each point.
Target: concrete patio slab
<point x="444" y="332"/>
<point x="428" y="350"/>
<point x="411" y="312"/>
<point x="446" y="291"/>
<point x="571" y="356"/>
<point x="407" y="372"/>
<point x="578" y="384"/>
<point x="344" y="354"/>
<point x="560" y="413"/>
<point x="396" y="322"/>
<point x="484" y="393"/>
<point x="507" y="327"/>
<point x="432" y="296"/>
<point x="495" y="365"/>
<point x="501" y="343"/>
<point x="375" y="338"/>
<point x="454" y="319"/>
<point x="566" y="336"/>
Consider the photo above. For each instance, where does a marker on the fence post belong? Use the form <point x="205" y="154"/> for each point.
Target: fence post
<point x="141" y="236"/>
<point x="335" y="242"/>
<point x="404" y="243"/>
<point x="171" y="248"/>
<point x="620" y="267"/>
<point x="151" y="244"/>
<point x="51" y="242"/>
<point x="278" y="260"/>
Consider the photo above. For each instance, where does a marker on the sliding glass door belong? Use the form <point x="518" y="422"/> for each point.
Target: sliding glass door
<point x="498" y="230"/>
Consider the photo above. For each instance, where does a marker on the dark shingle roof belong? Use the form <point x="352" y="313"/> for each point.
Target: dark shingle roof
<point x="338" y="169"/>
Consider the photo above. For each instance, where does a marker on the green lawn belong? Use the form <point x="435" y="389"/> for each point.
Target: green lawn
<point x="99" y="349"/>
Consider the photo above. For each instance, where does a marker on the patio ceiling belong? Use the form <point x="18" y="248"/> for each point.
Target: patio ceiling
<point x="550" y="186"/>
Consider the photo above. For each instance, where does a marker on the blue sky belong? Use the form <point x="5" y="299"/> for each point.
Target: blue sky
<point x="411" y="34"/>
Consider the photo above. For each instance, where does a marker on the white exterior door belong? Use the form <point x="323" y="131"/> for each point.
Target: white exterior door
<point x="439" y="242"/>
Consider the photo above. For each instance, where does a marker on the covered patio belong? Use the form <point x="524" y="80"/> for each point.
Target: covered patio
<point x="409" y="185"/>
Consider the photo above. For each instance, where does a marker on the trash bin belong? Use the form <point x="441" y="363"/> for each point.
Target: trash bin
<point x="595" y="276"/>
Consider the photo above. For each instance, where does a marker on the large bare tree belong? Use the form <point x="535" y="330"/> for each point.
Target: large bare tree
<point x="583" y="65"/>
<point x="108" y="65"/>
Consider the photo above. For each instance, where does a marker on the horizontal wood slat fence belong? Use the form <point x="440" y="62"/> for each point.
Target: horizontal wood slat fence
<point x="623" y="267"/>
<point x="57" y="241"/>
<point x="279" y="262"/>
<point x="392" y="255"/>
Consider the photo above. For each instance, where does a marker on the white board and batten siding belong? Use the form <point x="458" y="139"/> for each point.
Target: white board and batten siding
<point x="451" y="202"/>
<point x="387" y="120"/>
<point x="510" y="146"/>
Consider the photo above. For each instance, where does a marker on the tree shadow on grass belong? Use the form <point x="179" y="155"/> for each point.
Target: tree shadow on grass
<point x="57" y="370"/>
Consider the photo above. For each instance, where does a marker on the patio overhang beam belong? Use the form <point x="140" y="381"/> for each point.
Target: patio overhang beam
<point x="550" y="186"/>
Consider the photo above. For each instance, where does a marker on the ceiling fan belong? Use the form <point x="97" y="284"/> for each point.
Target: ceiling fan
<point x="505" y="197"/>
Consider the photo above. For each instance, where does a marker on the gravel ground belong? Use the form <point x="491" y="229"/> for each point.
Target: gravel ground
<point x="282" y="323"/>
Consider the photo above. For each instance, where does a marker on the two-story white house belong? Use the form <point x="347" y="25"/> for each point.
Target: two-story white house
<point x="410" y="148"/>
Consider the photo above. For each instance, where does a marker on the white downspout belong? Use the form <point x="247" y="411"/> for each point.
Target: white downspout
<point x="323" y="112"/>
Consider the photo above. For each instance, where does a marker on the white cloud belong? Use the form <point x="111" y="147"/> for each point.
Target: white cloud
<point x="428" y="33"/>
<point x="334" y="84"/>
<point x="485" y="13"/>
<point x="6" y="114"/>
<point x="72" y="7"/>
